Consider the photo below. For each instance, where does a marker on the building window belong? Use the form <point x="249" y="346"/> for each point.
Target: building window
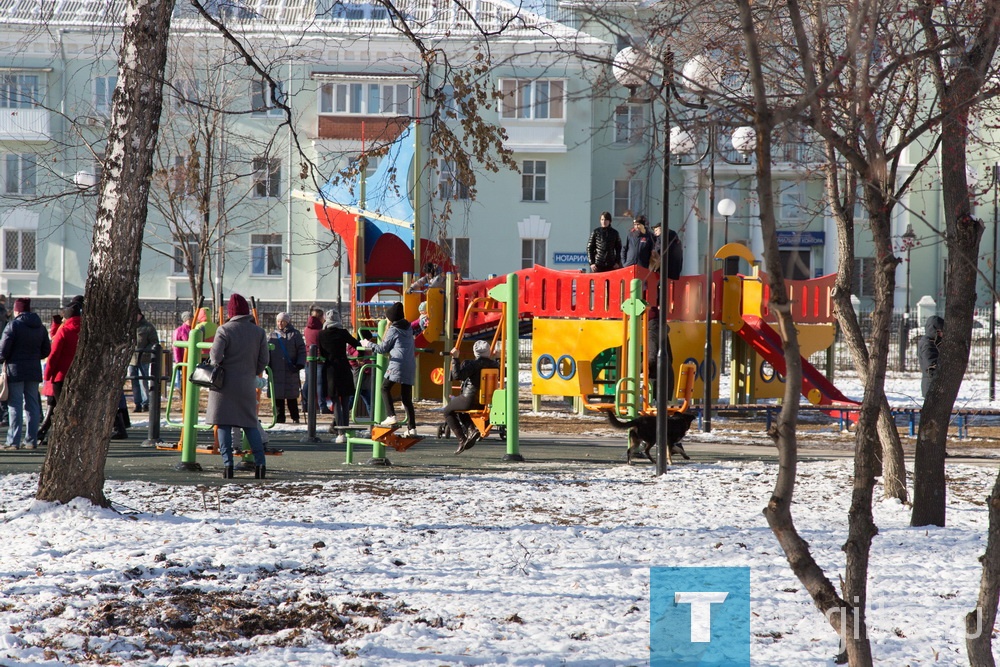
<point x="104" y="90"/>
<point x="532" y="252"/>
<point x="366" y="98"/>
<point x="532" y="100"/>
<point x="265" y="254"/>
<point x="533" y="180"/>
<point x="796" y="263"/>
<point x="266" y="177"/>
<point x="186" y="95"/>
<point x="19" y="250"/>
<point x="18" y="91"/>
<point x="459" y="247"/>
<point x="449" y="186"/>
<point x="629" y="195"/>
<point x="792" y="201"/>
<point x="261" y="100"/>
<point x="629" y="123"/>
<point x="19" y="174"/>
<point x="180" y="259"/>
<point x="863" y="280"/>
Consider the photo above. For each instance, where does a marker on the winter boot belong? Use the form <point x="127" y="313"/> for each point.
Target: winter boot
<point x="259" y="472"/>
<point x="227" y="472"/>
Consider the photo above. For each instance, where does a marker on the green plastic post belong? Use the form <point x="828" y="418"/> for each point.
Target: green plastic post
<point x="634" y="308"/>
<point x="189" y="438"/>
<point x="507" y="293"/>
<point x="378" y="449"/>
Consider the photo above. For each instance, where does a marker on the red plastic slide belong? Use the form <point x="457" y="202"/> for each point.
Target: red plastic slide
<point x="767" y="343"/>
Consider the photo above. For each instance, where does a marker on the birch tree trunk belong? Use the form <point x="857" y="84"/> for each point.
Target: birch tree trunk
<point x="78" y="445"/>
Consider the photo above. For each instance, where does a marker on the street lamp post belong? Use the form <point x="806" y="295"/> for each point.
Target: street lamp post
<point x="628" y="67"/>
<point x="993" y="290"/>
<point x="909" y="238"/>
<point x="726" y="208"/>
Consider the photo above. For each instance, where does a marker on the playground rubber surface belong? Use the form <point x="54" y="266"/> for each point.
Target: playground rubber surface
<point x="549" y="444"/>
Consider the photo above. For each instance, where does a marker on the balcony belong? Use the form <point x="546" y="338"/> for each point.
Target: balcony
<point x="535" y="136"/>
<point x="24" y="125"/>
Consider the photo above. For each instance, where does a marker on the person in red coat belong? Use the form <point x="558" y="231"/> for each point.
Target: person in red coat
<point x="60" y="358"/>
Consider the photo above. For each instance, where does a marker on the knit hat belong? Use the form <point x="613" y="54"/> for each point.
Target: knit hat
<point x="283" y="317"/>
<point x="237" y="306"/>
<point x="22" y="305"/>
<point x="394" y="312"/>
<point x="186" y="316"/>
<point x="332" y="317"/>
<point x="481" y="349"/>
<point x="422" y="308"/>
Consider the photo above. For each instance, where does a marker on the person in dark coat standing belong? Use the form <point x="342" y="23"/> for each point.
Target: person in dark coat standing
<point x="240" y="348"/>
<point x="287" y="358"/>
<point x="604" y="248"/>
<point x="470" y="373"/>
<point x="23" y="345"/>
<point x="337" y="375"/>
<point x="638" y="248"/>
<point x="314" y="324"/>
<point x="401" y="369"/>
<point x="927" y="351"/>
<point x="138" y="369"/>
<point x="63" y="351"/>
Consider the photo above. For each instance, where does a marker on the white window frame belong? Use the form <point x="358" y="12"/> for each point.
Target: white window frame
<point x="187" y="93"/>
<point x="260" y="98"/>
<point x="104" y="90"/>
<point x="265" y="247"/>
<point x="628" y="195"/>
<point x="449" y="187"/>
<point x="266" y="178"/>
<point x="461" y="253"/>
<point x="792" y="197"/>
<point x="24" y="238"/>
<point x="20" y="174"/>
<point x="20" y="90"/>
<point x="630" y="123"/>
<point x="533" y="243"/>
<point x="540" y="100"/>
<point x="179" y="263"/>
<point x="530" y="180"/>
<point x="366" y="98"/>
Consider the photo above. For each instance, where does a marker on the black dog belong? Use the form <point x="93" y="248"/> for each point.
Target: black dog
<point x="642" y="434"/>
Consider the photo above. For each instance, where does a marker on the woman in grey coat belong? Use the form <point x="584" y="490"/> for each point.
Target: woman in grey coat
<point x="287" y="358"/>
<point x="240" y="347"/>
<point x="402" y="366"/>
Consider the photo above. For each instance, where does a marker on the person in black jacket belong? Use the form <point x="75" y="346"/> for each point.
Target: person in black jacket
<point x="927" y="351"/>
<point x="468" y="398"/>
<point x="23" y="345"/>
<point x="604" y="248"/>
<point x="338" y="378"/>
<point x="638" y="248"/>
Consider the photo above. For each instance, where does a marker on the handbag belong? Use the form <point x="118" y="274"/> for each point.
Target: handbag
<point x="4" y="384"/>
<point x="208" y="375"/>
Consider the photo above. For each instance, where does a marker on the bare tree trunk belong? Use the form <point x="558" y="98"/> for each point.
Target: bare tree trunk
<point x="78" y="446"/>
<point x="980" y="621"/>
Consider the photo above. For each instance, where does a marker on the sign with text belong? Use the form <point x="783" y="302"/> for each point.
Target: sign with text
<point x="699" y="616"/>
<point x="569" y="258"/>
<point x="790" y="239"/>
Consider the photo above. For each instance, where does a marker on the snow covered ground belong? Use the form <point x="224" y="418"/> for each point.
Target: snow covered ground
<point x="540" y="566"/>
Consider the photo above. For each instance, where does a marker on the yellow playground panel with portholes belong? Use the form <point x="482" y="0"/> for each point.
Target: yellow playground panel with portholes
<point x="563" y="351"/>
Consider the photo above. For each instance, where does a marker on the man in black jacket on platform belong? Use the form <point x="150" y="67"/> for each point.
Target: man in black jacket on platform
<point x="604" y="248"/>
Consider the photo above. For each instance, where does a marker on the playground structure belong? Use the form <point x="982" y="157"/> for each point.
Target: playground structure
<point x="589" y="331"/>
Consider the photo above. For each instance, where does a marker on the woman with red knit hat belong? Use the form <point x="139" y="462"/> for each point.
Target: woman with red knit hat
<point x="240" y="348"/>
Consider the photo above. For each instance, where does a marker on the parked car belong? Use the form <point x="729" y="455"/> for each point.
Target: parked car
<point x="980" y="329"/>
